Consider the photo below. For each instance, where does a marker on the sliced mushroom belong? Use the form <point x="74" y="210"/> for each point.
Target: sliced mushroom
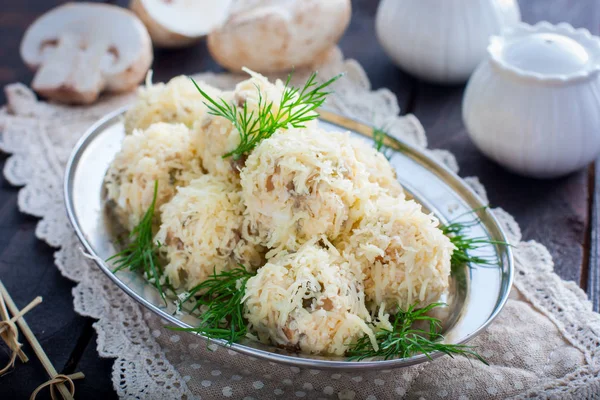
<point x="278" y="35"/>
<point x="81" y="49"/>
<point x="179" y="23"/>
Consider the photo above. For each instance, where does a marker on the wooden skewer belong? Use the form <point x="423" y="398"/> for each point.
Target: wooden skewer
<point x="5" y="335"/>
<point x="37" y="348"/>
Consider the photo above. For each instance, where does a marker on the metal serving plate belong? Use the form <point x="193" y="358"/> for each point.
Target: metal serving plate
<point x="476" y="296"/>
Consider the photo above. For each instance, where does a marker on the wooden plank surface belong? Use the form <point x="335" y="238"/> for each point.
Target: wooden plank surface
<point x="553" y="212"/>
<point x="360" y="43"/>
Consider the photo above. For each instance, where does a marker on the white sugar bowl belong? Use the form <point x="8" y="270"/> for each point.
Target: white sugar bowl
<point x="534" y="105"/>
<point x="442" y="40"/>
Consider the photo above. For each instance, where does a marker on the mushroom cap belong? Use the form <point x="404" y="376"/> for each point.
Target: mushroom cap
<point x="279" y="35"/>
<point x="105" y="42"/>
<point x="180" y="23"/>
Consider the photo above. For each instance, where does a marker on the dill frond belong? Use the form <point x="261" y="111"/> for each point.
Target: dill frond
<point x="220" y="305"/>
<point x="297" y="106"/>
<point x="141" y="254"/>
<point x="464" y="244"/>
<point x="379" y="136"/>
<point x="404" y="340"/>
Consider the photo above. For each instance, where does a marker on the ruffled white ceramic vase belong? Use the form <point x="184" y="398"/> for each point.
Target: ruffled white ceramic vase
<point x="442" y="40"/>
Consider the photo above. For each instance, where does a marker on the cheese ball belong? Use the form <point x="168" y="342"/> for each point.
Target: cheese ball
<point x="216" y="136"/>
<point x="177" y="101"/>
<point x="379" y="169"/>
<point x="162" y="153"/>
<point x="201" y="232"/>
<point x="300" y="185"/>
<point x="404" y="256"/>
<point x="308" y="300"/>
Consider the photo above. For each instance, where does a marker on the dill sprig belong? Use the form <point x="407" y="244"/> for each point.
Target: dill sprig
<point x="404" y="340"/>
<point x="464" y="244"/>
<point x="220" y="305"/>
<point x="141" y="254"/>
<point x="454" y="230"/>
<point x="297" y="106"/>
<point x="379" y="136"/>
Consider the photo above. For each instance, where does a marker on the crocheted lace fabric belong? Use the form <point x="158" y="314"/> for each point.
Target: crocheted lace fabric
<point x="545" y="343"/>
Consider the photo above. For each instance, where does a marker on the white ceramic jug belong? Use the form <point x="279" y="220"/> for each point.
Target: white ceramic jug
<point x="534" y="104"/>
<point x="442" y="40"/>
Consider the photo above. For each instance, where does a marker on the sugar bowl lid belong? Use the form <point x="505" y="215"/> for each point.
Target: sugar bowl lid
<point x="547" y="52"/>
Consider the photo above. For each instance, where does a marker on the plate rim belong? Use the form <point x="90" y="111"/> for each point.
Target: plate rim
<point x="451" y="178"/>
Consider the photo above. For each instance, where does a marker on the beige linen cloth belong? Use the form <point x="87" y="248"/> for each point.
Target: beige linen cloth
<point x="544" y="344"/>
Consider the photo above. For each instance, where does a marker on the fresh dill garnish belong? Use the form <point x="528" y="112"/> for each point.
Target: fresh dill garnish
<point x="404" y="340"/>
<point x="141" y="254"/>
<point x="296" y="107"/>
<point x="220" y="305"/>
<point x="464" y="244"/>
<point x="379" y="136"/>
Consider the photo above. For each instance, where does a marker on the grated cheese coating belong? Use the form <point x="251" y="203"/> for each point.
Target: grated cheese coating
<point x="379" y="169"/>
<point x="176" y="101"/>
<point x="308" y="300"/>
<point x="402" y="253"/>
<point x="201" y="232"/>
<point x="216" y="136"/>
<point x="162" y="153"/>
<point x="301" y="185"/>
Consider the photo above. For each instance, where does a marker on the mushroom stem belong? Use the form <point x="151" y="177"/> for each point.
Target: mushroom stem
<point x="70" y="72"/>
<point x="81" y="49"/>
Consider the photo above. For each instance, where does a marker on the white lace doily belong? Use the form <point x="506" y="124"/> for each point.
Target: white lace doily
<point x="545" y="343"/>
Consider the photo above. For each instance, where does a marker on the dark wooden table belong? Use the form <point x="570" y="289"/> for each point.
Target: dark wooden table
<point x="562" y="214"/>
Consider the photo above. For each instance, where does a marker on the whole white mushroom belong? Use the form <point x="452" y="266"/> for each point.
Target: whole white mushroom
<point x="81" y="49"/>
<point x="278" y="35"/>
